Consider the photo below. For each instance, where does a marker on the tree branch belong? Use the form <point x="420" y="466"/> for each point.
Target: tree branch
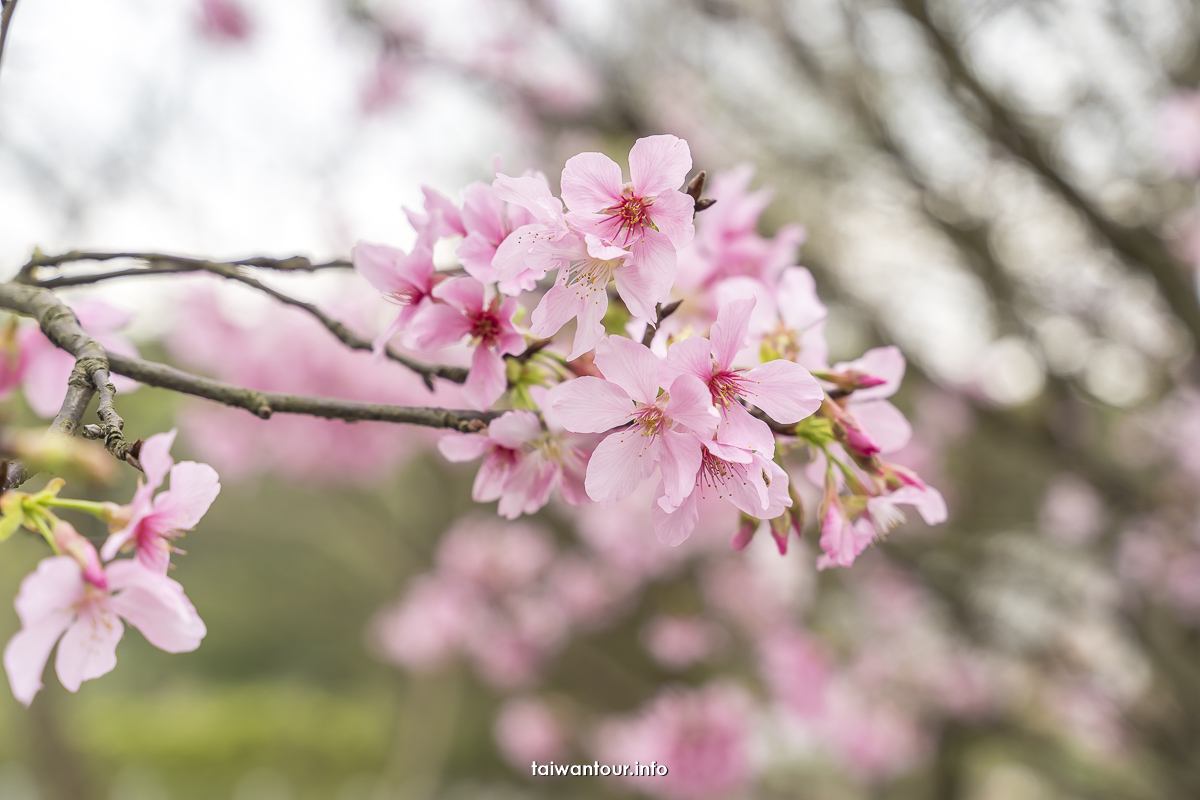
<point x="62" y="328"/>
<point x="264" y="404"/>
<point x="165" y="265"/>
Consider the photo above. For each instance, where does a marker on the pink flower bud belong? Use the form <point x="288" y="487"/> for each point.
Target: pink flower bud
<point x="741" y="539"/>
<point x="71" y="543"/>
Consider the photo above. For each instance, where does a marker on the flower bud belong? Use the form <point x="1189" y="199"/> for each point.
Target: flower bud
<point x="741" y="539"/>
<point x="71" y="543"/>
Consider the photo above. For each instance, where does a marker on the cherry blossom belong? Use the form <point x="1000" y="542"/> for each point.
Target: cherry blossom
<point x="150" y="521"/>
<point x="784" y="390"/>
<point x="662" y="429"/>
<point x="649" y="214"/>
<point x="57" y="602"/>
<point x="465" y="312"/>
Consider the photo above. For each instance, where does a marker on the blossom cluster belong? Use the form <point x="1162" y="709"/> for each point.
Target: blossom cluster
<point x="696" y="362"/>
<point x="81" y="597"/>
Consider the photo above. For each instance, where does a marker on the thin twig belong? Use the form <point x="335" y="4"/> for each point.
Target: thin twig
<point x="230" y="270"/>
<point x="662" y="313"/>
<point x="6" y="12"/>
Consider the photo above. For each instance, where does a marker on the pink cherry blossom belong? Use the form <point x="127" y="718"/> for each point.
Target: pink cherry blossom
<point x="46" y="368"/>
<point x="543" y="243"/>
<point x="526" y="730"/>
<point x="581" y="292"/>
<point x="224" y="20"/>
<point x="465" y="312"/>
<point x="150" y="521"/>
<point x="489" y="221"/>
<point x="440" y="217"/>
<point x="662" y="426"/>
<point x="842" y="539"/>
<point x="702" y="736"/>
<point x="797" y="669"/>
<point x="756" y="485"/>
<point x="679" y="642"/>
<point x="784" y="390"/>
<point x="56" y="601"/>
<point x="522" y="465"/>
<point x="406" y="279"/>
<point x="649" y="214"/>
<point x="727" y="244"/>
<point x="881" y="422"/>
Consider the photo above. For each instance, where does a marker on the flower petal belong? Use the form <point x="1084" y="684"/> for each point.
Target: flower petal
<point x="622" y="461"/>
<point x="672" y="213"/>
<point x="658" y="163"/>
<point x="729" y="333"/>
<point x="380" y="265"/>
<point x="157" y="606"/>
<point x="691" y="405"/>
<point x="691" y="356"/>
<point x="674" y="527"/>
<point x="487" y="379"/>
<point x="591" y="405"/>
<point x="884" y="423"/>
<point x="783" y="389"/>
<point x="26" y="654"/>
<point x="630" y="365"/>
<point x="679" y="461"/>
<point x="514" y="428"/>
<point x="89" y="647"/>
<point x="591" y="182"/>
<point x="194" y="487"/>
<point x="886" y="363"/>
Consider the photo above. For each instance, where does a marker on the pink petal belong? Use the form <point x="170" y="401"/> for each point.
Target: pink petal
<point x="379" y="345"/>
<point x="557" y="306"/>
<point x="438" y="325"/>
<point x="466" y="294"/>
<point x="98" y="317"/>
<point x="514" y="428"/>
<point x="679" y="461"/>
<point x="55" y="585"/>
<point x="672" y="214"/>
<point x="747" y="490"/>
<point x="532" y="194"/>
<point x="89" y="647"/>
<point x="630" y="365"/>
<point x="928" y="501"/>
<point x="655" y="256"/>
<point x="477" y="254"/>
<point x="729" y="333"/>
<point x="591" y="182"/>
<point x="691" y="405"/>
<point x="459" y="447"/>
<point x="886" y="363"/>
<point x="691" y="356"/>
<point x="483" y="213"/>
<point x="487" y="379"/>
<point x="884" y="423"/>
<point x="674" y="527"/>
<point x="156" y="606"/>
<point x="591" y="405"/>
<point x="640" y="289"/>
<point x="658" y="163"/>
<point x="493" y="475"/>
<point x="799" y="304"/>
<point x="45" y="380"/>
<point x="783" y="389"/>
<point x="26" y="654"/>
<point x="155" y="457"/>
<point x="622" y="461"/>
<point x="194" y="487"/>
<point x="379" y="264"/>
<point x="589" y="328"/>
<point x="739" y="428"/>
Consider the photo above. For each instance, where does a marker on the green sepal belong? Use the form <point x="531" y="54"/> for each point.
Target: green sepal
<point x="815" y="430"/>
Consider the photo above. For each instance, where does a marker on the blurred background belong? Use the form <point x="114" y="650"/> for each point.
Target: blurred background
<point x="1006" y="189"/>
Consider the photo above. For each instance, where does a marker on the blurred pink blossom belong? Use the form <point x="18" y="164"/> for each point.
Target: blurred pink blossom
<point x="679" y="642"/>
<point x="1179" y="131"/>
<point x="526" y="730"/>
<point x="1072" y="510"/>
<point x="701" y="735"/>
<point x="224" y="20"/>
